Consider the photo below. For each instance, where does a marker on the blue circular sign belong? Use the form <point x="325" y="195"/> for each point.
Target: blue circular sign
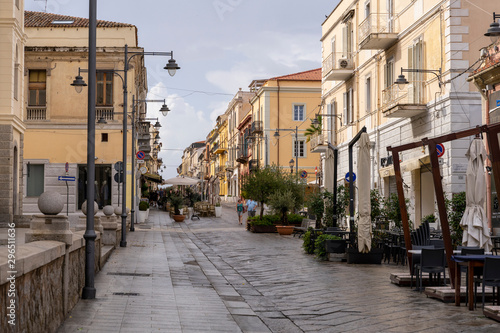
<point x="140" y="155"/>
<point x="303" y="174"/>
<point x="348" y="179"/>
<point x="440" y="149"/>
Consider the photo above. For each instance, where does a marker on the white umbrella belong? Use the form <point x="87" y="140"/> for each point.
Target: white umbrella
<point x="329" y="168"/>
<point x="474" y="221"/>
<point x="179" y="180"/>
<point x="363" y="184"/>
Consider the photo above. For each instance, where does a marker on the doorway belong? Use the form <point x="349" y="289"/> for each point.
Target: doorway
<point x="102" y="188"/>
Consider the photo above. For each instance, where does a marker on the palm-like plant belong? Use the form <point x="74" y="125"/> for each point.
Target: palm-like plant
<point x="314" y="129"/>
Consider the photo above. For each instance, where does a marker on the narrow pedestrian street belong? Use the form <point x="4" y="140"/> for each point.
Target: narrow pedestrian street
<point x="211" y="275"/>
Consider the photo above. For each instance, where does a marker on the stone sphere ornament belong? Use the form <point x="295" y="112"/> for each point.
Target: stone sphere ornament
<point x="50" y="203"/>
<point x="108" y="210"/>
<point x="84" y="207"/>
<point x="118" y="211"/>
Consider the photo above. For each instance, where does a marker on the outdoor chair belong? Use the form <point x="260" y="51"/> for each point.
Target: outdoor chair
<point x="204" y="210"/>
<point x="491" y="277"/>
<point x="432" y="261"/>
<point x="302" y="229"/>
<point x="211" y="210"/>
<point x="478" y="271"/>
<point x="415" y="262"/>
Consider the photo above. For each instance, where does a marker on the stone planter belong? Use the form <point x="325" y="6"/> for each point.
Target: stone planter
<point x="374" y="257"/>
<point x="262" y="228"/>
<point x="285" y="230"/>
<point x="142" y="215"/>
<point x="218" y="211"/>
<point x="335" y="246"/>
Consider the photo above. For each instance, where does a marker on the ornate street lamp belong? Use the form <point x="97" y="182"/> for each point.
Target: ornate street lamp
<point x="494" y="30"/>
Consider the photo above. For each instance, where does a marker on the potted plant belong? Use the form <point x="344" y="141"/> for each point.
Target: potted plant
<point x="316" y="206"/>
<point x="282" y="202"/>
<point x="176" y="201"/>
<point x="218" y="210"/>
<point x="257" y="224"/>
<point x="143" y="211"/>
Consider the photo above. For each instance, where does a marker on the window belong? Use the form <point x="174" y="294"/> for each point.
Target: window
<point x="17" y="4"/>
<point x="348" y="116"/>
<point x="16" y="75"/>
<point x="416" y="80"/>
<point x="104" y="91"/>
<point x="104" y="137"/>
<point x="368" y="97"/>
<point x="301" y="146"/>
<point x="35" y="180"/>
<point x="367" y="9"/>
<point x="390" y="12"/>
<point x="298" y="112"/>
<point x="36" y="87"/>
<point x="389" y="73"/>
<point x="347" y="40"/>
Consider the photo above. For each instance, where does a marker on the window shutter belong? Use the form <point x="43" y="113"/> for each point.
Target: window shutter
<point x="351" y="108"/>
<point x="330" y="111"/>
<point x="344" y="41"/>
<point x="344" y="114"/>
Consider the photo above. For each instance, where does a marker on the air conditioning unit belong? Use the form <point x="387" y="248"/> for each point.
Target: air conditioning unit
<point x="345" y="63"/>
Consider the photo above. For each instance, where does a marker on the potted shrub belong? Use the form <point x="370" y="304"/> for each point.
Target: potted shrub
<point x="218" y="210"/>
<point x="261" y="225"/>
<point x="143" y="211"/>
<point x="176" y="200"/>
<point x="321" y="248"/>
<point x="282" y="202"/>
<point x="316" y="206"/>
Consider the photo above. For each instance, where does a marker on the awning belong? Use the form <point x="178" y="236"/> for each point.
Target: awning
<point x="153" y="177"/>
<point x="410" y="165"/>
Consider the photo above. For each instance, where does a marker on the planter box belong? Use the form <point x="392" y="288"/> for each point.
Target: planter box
<point x="142" y="216"/>
<point x="374" y="257"/>
<point x="335" y="246"/>
<point x="285" y="230"/>
<point x="262" y="228"/>
<point x="218" y="211"/>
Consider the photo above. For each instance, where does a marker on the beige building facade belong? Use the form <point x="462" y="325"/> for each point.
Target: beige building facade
<point x="12" y="128"/>
<point x="366" y="45"/>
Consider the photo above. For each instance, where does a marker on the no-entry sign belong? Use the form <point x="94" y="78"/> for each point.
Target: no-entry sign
<point x="140" y="155"/>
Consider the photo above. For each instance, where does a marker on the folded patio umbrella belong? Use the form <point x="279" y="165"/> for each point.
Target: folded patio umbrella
<point x="363" y="184"/>
<point x="474" y="221"/>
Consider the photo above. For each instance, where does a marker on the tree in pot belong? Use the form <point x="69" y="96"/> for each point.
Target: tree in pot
<point x="176" y="200"/>
<point x="316" y="206"/>
<point x="282" y="202"/>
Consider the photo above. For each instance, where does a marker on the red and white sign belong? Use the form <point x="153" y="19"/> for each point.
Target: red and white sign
<point x="440" y="149"/>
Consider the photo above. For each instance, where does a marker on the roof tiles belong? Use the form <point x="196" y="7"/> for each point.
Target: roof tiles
<point x="311" y="75"/>
<point x="45" y="20"/>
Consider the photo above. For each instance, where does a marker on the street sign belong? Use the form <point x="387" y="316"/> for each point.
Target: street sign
<point x="347" y="178"/>
<point x="140" y="161"/>
<point x="118" y="177"/>
<point x="66" y="167"/>
<point x="119" y="166"/>
<point x="66" y="178"/>
<point x="140" y="155"/>
<point x="303" y="174"/>
<point x="316" y="170"/>
<point x="440" y="149"/>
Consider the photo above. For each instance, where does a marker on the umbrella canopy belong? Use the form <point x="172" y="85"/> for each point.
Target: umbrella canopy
<point x="474" y="221"/>
<point x="182" y="181"/>
<point x="363" y="184"/>
<point x="329" y="166"/>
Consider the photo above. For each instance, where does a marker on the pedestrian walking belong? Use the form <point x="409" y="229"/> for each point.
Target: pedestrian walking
<point x="240" y="209"/>
<point x="251" y="205"/>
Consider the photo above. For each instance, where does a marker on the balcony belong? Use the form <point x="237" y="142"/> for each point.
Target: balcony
<point x="319" y="143"/>
<point x="338" y="67"/>
<point x="106" y="112"/>
<point x="378" y="31"/>
<point x="256" y="127"/>
<point x="253" y="165"/>
<point x="36" y="113"/>
<point x="405" y="103"/>
<point x="242" y="156"/>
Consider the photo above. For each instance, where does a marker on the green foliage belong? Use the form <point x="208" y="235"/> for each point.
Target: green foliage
<point x="392" y="211"/>
<point x="143" y="205"/>
<point x="314" y="129"/>
<point x="455" y="213"/>
<point x="267" y="219"/>
<point x="282" y="202"/>
<point x="376" y="201"/>
<point x="308" y="244"/>
<point x="295" y="218"/>
<point x="429" y="218"/>
<point x="262" y="183"/>
<point x="316" y="205"/>
<point x="176" y="200"/>
<point x="191" y="197"/>
<point x="319" y="245"/>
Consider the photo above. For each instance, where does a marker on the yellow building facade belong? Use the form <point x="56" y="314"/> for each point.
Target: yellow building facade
<point x="56" y="115"/>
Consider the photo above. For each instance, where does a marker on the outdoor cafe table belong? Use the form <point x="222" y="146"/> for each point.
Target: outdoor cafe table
<point x="470" y="261"/>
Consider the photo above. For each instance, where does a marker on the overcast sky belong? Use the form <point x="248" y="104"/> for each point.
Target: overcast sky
<point x="220" y="45"/>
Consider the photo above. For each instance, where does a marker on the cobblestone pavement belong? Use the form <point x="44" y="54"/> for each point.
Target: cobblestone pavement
<point x="212" y="275"/>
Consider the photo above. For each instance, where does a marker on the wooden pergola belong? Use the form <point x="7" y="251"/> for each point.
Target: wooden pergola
<point x="491" y="132"/>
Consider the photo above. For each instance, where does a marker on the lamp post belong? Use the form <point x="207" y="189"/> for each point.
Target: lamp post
<point x="494" y="30"/>
<point x="296" y="153"/>
<point x="291" y="165"/>
<point x="401" y="80"/>
<point x="164" y="111"/>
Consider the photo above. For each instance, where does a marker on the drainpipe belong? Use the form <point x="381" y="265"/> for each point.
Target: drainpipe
<point x="335" y="160"/>
<point x="278" y="123"/>
<point x="488" y="163"/>
<point x="351" y="182"/>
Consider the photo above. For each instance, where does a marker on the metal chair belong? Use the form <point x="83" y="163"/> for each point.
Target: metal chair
<point x="415" y="262"/>
<point x="432" y="261"/>
<point x="491" y="276"/>
<point x="478" y="271"/>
